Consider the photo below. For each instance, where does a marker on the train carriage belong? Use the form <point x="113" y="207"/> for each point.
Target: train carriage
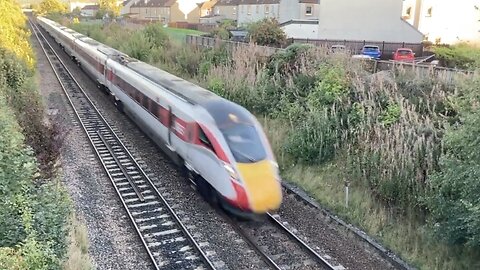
<point x="220" y="143"/>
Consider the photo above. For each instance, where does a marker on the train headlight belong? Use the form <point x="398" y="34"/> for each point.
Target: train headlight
<point x="231" y="171"/>
<point x="276" y="170"/>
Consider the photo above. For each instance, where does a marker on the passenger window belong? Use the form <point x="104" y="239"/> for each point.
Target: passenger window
<point x="145" y="102"/>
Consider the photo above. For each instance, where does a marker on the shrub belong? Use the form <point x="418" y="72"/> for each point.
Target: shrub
<point x="138" y="46"/>
<point x="267" y="32"/>
<point x="454" y="202"/>
<point x="462" y="56"/>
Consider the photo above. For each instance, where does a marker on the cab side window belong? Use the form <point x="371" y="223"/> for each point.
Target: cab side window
<point x="204" y="139"/>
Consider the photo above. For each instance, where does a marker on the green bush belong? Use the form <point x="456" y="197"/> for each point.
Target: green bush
<point x="138" y="46"/>
<point x="33" y="215"/>
<point x="156" y="35"/>
<point x="454" y="202"/>
<point x="462" y="56"/>
<point x="267" y="32"/>
<point x="314" y="141"/>
<point x="17" y="167"/>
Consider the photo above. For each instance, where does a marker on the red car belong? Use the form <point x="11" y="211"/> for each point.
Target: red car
<point x="403" y="54"/>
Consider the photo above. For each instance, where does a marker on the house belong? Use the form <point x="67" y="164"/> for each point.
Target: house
<point x="89" y="11"/>
<point x="371" y="20"/>
<point x="126" y="6"/>
<point x="226" y="9"/>
<point x="81" y="4"/>
<point x="185" y="11"/>
<point x="443" y="21"/>
<point x="151" y="10"/>
<point x="255" y="10"/>
<point x="299" y="18"/>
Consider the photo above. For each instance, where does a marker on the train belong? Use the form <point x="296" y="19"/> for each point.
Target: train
<point x="219" y="144"/>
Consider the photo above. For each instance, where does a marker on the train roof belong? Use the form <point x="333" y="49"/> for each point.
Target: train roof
<point x="219" y="108"/>
<point x="178" y="86"/>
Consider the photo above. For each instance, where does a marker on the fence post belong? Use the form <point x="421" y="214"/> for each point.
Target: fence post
<point x="364" y="43"/>
<point x="383" y="46"/>
<point x="403" y="44"/>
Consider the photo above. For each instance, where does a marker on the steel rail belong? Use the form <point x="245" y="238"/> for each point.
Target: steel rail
<point x="190" y="238"/>
<point x="300" y="242"/>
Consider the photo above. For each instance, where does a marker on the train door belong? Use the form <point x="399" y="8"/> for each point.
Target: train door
<point x="171" y="119"/>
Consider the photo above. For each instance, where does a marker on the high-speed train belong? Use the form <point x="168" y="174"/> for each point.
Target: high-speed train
<point x="218" y="143"/>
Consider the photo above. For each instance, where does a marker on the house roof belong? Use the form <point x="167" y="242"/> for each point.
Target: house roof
<point x="90" y="7"/>
<point x="258" y="2"/>
<point x="309" y="1"/>
<point x="152" y="3"/>
<point x="209" y="4"/>
<point x="227" y="3"/>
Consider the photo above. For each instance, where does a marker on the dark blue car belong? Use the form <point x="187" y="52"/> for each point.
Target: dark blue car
<point x="372" y="51"/>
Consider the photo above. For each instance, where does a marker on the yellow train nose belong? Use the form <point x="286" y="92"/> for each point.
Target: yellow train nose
<point x="263" y="190"/>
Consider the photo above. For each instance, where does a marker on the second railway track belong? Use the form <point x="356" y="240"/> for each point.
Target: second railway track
<point x="279" y="246"/>
<point x="166" y="240"/>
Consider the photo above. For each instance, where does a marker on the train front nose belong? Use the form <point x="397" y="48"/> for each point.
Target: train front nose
<point x="263" y="190"/>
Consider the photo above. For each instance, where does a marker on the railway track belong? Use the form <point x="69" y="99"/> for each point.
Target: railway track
<point x="166" y="239"/>
<point x="278" y="245"/>
<point x="387" y="254"/>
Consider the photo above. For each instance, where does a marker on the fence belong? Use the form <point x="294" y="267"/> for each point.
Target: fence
<point x="446" y="74"/>
<point x="355" y="46"/>
<point x="423" y="70"/>
<point x="209" y="42"/>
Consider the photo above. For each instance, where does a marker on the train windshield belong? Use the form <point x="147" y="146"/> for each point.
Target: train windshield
<point x="244" y="143"/>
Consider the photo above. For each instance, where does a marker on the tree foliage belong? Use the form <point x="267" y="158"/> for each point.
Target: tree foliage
<point x="109" y="7"/>
<point x="14" y="35"/>
<point x="52" y="6"/>
<point x="267" y="32"/>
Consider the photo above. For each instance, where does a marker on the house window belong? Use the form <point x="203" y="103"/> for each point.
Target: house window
<point x="429" y="12"/>
<point x="257" y="7"/>
<point x="267" y="9"/>
<point x="234" y="10"/>
<point x="248" y="10"/>
<point x="308" y="10"/>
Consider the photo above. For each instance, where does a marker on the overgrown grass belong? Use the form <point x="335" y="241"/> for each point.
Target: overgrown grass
<point x="180" y="34"/>
<point x="330" y="120"/>
<point x="77" y="255"/>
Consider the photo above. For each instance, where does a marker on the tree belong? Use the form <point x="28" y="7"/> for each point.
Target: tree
<point x="110" y="7"/>
<point x="14" y="36"/>
<point x="267" y="32"/>
<point x="52" y="6"/>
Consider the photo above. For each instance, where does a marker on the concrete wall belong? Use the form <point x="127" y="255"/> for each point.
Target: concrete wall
<point x="449" y="22"/>
<point x="365" y="20"/>
<point x="252" y="13"/>
<point x="301" y="30"/>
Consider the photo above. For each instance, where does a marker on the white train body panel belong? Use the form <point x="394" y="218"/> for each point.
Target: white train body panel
<point x="188" y="122"/>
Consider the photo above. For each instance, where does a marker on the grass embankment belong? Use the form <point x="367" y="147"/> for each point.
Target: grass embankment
<point x="34" y="205"/>
<point x="391" y="135"/>
<point x="179" y="34"/>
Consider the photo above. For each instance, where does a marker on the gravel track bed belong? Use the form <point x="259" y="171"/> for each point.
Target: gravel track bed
<point x="212" y="232"/>
<point x="285" y="252"/>
<point x="112" y="245"/>
<point x="317" y="231"/>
